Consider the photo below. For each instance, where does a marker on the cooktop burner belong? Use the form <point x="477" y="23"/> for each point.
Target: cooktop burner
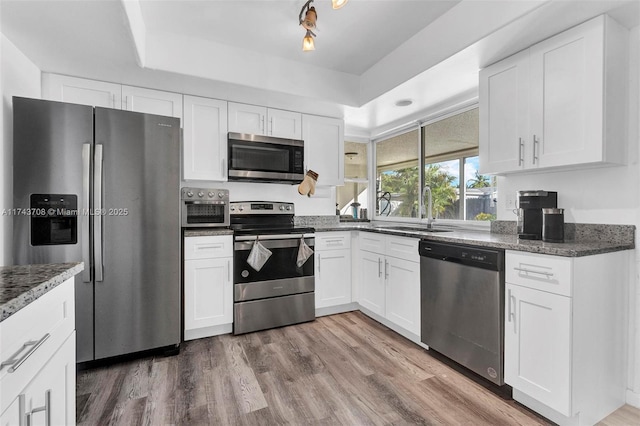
<point x="264" y="218"/>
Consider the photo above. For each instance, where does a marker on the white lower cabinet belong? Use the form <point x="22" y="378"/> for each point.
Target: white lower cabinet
<point x="538" y="344"/>
<point x="38" y="343"/>
<point x="389" y="280"/>
<point x="208" y="286"/>
<point x="333" y="269"/>
<point x="565" y="334"/>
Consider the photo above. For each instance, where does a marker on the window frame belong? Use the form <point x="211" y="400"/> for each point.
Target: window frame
<point x="459" y="155"/>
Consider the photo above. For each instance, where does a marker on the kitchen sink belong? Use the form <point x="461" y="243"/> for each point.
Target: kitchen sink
<point x="412" y="228"/>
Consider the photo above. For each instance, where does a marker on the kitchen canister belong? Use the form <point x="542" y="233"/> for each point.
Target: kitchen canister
<point x="553" y="225"/>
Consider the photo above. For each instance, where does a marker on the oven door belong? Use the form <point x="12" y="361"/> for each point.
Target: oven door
<point x="204" y="213"/>
<point x="280" y="275"/>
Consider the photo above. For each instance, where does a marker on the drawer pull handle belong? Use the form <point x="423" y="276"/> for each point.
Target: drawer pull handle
<point x="547" y="274"/>
<point x="14" y="362"/>
<point x="209" y="246"/>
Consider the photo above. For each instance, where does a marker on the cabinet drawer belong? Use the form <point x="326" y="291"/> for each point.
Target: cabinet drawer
<point x="33" y="335"/>
<point x="403" y="248"/>
<point x="208" y="247"/>
<point x="333" y="240"/>
<point x="371" y="242"/>
<point x="542" y="272"/>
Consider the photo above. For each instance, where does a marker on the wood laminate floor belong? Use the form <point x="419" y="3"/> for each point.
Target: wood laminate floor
<point x="342" y="369"/>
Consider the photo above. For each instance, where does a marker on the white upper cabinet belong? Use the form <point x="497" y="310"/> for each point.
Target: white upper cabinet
<point x="205" y="139"/>
<point x="247" y="119"/>
<point x="324" y="148"/>
<point x="151" y="101"/>
<point x="559" y="103"/>
<point x="258" y="120"/>
<point x="504" y="113"/>
<point x="81" y="91"/>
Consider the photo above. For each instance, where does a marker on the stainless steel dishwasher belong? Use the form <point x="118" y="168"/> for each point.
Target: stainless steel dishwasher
<point x="462" y="305"/>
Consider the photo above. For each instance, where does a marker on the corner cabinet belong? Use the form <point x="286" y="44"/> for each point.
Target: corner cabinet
<point x="324" y="148"/>
<point x="559" y="103"/>
<point x="40" y="387"/>
<point x="208" y="286"/>
<point x="565" y="333"/>
<point x="259" y="120"/>
<point x="389" y="281"/>
<point x="333" y="269"/>
<point x="205" y="139"/>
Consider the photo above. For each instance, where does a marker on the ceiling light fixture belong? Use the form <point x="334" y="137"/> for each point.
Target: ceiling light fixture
<point x="337" y="4"/>
<point x="350" y="155"/>
<point x="309" y="22"/>
<point x="404" y="102"/>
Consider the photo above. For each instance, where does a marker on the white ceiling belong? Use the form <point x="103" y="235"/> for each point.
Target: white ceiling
<point x="368" y="54"/>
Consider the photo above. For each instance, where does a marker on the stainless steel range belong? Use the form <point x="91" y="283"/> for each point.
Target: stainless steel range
<point x="279" y="292"/>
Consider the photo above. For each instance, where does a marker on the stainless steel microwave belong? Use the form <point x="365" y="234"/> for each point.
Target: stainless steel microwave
<point x="257" y="158"/>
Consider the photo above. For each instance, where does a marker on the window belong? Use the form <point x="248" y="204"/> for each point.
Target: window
<point x="352" y="197"/>
<point x="398" y="176"/>
<point x="448" y="165"/>
<point x="451" y="169"/>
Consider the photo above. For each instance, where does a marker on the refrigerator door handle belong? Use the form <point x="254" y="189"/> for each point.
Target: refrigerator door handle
<point x="84" y="214"/>
<point x="97" y="218"/>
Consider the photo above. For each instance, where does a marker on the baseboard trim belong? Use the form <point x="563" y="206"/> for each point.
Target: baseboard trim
<point x="633" y="398"/>
<point x="339" y="309"/>
<point x="199" y="333"/>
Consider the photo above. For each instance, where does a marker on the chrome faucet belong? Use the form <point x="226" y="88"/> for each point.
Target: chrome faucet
<point x="430" y="218"/>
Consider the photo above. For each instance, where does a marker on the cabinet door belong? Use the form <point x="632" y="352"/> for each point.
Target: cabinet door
<point x="333" y="278"/>
<point x="504" y="104"/>
<point x="57" y="382"/>
<point x="208" y="298"/>
<point x="205" y="139"/>
<point x="324" y="148"/>
<point x="537" y="351"/>
<point x="284" y="124"/>
<point x="402" y="301"/>
<point x="567" y="87"/>
<point x="81" y="91"/>
<point x="371" y="284"/>
<point x="152" y="101"/>
<point x="245" y="118"/>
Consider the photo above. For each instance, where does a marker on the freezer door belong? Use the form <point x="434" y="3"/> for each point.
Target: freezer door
<point x="137" y="236"/>
<point x="52" y="144"/>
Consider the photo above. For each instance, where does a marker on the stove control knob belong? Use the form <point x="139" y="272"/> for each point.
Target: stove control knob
<point x="189" y="194"/>
<point x="282" y="208"/>
<point x="211" y="194"/>
<point x="232" y="208"/>
<point x="241" y="208"/>
<point x="200" y="194"/>
<point x="220" y="195"/>
<point x="288" y="208"/>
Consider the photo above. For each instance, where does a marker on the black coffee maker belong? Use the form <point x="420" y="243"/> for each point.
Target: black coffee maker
<point x="530" y="205"/>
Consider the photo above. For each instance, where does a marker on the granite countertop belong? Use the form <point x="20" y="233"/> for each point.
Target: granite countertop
<point x="207" y="232"/>
<point x="570" y="248"/>
<point x="22" y="284"/>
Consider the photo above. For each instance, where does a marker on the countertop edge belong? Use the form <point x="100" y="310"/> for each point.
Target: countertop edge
<point x="24" y="299"/>
<point x="500" y="241"/>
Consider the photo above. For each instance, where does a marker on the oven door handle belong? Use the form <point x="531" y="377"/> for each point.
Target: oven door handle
<point x="273" y="237"/>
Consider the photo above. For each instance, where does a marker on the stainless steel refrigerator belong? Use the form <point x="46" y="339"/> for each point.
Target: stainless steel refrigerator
<point x="102" y="186"/>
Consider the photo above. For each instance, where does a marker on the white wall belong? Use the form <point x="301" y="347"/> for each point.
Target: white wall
<point x="19" y="77"/>
<point x="601" y="195"/>
<point x="323" y="202"/>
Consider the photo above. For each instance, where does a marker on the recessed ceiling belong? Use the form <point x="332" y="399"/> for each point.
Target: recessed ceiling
<point x="350" y="39"/>
<point x="369" y="54"/>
